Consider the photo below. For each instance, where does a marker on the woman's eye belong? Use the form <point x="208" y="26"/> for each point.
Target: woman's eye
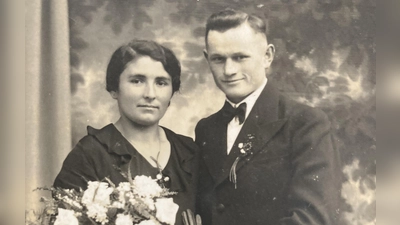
<point x="136" y="81"/>
<point x="162" y="83"/>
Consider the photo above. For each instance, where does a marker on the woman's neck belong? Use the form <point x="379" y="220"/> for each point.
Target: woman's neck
<point x="138" y="133"/>
<point x="150" y="141"/>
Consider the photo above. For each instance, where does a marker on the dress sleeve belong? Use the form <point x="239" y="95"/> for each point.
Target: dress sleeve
<point x="77" y="168"/>
<point x="314" y="192"/>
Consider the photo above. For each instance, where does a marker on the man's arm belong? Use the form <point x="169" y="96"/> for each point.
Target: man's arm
<point x="314" y="193"/>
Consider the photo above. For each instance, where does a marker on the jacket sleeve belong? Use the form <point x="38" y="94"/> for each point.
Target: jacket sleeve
<point x="78" y="168"/>
<point x="314" y="190"/>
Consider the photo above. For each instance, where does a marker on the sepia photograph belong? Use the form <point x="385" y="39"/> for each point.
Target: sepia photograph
<point x="191" y="112"/>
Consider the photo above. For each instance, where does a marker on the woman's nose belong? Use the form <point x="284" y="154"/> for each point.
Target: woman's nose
<point x="149" y="92"/>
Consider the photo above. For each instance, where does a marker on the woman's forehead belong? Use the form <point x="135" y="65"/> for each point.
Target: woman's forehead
<point x="145" y="65"/>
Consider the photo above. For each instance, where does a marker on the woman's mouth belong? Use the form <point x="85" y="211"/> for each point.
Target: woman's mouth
<point x="148" y="106"/>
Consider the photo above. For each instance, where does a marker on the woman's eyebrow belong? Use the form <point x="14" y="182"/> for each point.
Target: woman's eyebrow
<point x="163" y="78"/>
<point x="136" y="76"/>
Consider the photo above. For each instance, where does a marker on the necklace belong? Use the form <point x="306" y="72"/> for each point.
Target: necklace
<point x="161" y="178"/>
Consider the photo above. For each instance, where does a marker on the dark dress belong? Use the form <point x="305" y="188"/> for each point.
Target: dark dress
<point x="105" y="153"/>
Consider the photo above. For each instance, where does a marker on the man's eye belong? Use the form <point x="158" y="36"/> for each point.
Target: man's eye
<point x="240" y="57"/>
<point x="217" y="59"/>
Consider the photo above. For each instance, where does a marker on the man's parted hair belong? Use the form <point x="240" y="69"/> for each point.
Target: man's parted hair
<point x="230" y="18"/>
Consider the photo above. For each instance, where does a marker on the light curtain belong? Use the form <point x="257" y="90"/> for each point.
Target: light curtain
<point x="48" y="126"/>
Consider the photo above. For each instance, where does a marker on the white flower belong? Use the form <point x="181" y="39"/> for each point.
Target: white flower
<point x="97" y="192"/>
<point x="118" y="205"/>
<point x="97" y="212"/>
<point x="166" y="210"/>
<point x="124" y="186"/>
<point x="146" y="187"/>
<point x="66" y="217"/>
<point x="123" y="189"/>
<point x="149" y="202"/>
<point x="147" y="222"/>
<point x="71" y="202"/>
<point x="132" y="200"/>
<point x="123" y="219"/>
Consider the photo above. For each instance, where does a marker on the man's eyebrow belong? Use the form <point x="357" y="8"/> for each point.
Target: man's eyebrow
<point x="216" y="55"/>
<point x="239" y="53"/>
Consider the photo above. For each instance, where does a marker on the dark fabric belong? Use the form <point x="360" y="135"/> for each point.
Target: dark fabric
<point x="229" y="112"/>
<point x="105" y="153"/>
<point x="292" y="175"/>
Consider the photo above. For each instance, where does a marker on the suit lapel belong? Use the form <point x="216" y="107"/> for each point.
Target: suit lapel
<point x="262" y="123"/>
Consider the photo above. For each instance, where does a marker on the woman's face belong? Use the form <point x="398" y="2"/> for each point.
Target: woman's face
<point x="145" y="90"/>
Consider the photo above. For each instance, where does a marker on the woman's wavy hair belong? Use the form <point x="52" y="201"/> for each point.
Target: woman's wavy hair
<point x="128" y="52"/>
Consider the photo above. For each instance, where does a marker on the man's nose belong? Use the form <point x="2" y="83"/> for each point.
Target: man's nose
<point x="149" y="92"/>
<point x="230" y="67"/>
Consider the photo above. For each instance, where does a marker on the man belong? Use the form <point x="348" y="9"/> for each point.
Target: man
<point x="267" y="159"/>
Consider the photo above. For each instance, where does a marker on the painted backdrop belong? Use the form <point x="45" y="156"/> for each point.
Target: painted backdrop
<point x="325" y="58"/>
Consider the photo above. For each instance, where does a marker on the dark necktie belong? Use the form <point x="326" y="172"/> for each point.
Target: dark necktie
<point x="228" y="112"/>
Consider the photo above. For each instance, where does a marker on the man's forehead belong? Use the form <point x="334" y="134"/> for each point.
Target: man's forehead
<point x="235" y="41"/>
<point x="243" y="32"/>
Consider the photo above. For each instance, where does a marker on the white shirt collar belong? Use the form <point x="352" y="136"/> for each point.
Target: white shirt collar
<point x="251" y="99"/>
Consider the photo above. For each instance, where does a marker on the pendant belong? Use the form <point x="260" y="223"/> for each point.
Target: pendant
<point x="162" y="179"/>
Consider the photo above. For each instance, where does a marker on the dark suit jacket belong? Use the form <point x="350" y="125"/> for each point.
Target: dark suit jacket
<point x="293" y="175"/>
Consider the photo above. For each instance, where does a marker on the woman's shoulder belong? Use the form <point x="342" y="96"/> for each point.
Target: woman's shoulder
<point x="181" y="139"/>
<point x="96" y="139"/>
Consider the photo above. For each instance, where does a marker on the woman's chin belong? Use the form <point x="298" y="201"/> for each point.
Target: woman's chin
<point x="147" y="122"/>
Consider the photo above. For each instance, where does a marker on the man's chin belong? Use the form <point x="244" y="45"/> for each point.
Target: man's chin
<point x="235" y="97"/>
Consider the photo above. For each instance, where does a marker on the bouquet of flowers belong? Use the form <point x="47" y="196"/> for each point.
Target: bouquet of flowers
<point x="141" y="201"/>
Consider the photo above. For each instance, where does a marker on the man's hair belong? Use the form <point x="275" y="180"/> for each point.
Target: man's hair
<point x="230" y="18"/>
<point x="136" y="48"/>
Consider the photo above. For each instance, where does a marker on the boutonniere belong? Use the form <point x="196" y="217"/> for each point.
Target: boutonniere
<point x="245" y="149"/>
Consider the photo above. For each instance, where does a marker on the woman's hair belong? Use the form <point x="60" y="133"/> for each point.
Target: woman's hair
<point x="127" y="53"/>
<point x="230" y="18"/>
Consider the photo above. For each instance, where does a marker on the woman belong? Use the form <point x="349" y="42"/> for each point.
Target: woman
<point x="142" y="76"/>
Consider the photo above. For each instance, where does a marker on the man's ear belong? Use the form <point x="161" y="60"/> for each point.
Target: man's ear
<point x="269" y="55"/>
<point x="114" y="94"/>
<point x="205" y="54"/>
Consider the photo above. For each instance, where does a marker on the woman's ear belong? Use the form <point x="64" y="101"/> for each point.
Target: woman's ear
<point x="114" y="94"/>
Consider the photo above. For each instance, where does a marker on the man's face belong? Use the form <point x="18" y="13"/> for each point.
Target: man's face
<point x="238" y="58"/>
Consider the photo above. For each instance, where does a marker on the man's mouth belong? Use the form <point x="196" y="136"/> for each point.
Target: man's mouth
<point x="232" y="81"/>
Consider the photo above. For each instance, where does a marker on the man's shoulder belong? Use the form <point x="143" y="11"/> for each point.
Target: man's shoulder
<point x="207" y="121"/>
<point x="291" y="108"/>
<point x="299" y="114"/>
